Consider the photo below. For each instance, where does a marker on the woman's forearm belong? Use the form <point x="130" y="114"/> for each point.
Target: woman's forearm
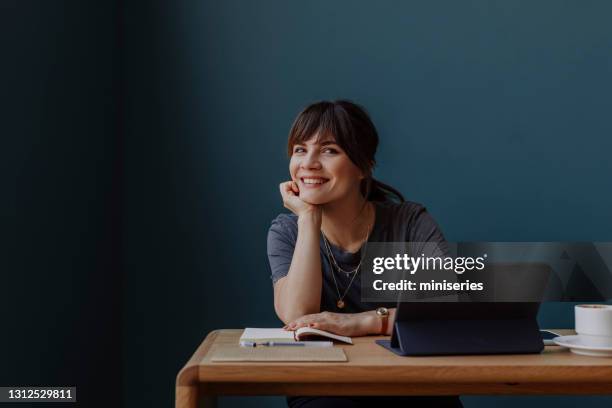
<point x="346" y="324"/>
<point x="300" y="293"/>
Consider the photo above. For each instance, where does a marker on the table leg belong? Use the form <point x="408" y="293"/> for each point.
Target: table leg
<point x="188" y="396"/>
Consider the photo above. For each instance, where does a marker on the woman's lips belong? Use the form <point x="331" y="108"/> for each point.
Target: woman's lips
<point x="313" y="182"/>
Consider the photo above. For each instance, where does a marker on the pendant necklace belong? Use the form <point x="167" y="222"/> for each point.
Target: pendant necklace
<point x="332" y="263"/>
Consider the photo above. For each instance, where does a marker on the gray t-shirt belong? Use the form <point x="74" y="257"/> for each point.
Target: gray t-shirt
<point x="395" y="222"/>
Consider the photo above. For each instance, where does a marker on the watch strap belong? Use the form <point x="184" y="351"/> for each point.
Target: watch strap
<point x="383" y="314"/>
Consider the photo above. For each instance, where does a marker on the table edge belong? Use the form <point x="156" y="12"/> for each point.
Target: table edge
<point x="189" y="374"/>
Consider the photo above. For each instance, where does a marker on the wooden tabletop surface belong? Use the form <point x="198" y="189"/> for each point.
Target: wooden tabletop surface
<point x="372" y="370"/>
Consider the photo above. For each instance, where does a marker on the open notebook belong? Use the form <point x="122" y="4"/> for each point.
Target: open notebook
<point x="255" y="335"/>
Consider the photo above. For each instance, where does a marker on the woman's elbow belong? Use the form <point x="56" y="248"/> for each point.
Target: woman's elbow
<point x="289" y="314"/>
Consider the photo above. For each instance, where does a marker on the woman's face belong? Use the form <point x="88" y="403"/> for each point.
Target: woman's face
<point x="323" y="172"/>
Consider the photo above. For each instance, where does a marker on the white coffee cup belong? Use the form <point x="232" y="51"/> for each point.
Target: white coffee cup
<point x="594" y="324"/>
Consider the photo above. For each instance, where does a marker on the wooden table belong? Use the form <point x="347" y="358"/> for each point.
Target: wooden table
<point x="372" y="370"/>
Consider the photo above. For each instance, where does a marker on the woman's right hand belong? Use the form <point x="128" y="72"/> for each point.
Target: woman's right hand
<point x="290" y="193"/>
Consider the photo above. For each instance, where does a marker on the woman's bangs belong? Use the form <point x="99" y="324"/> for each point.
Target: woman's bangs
<point x="315" y="123"/>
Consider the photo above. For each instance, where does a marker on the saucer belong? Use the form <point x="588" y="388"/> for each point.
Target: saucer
<point x="578" y="345"/>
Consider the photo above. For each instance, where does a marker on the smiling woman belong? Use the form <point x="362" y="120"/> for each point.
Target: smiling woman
<point x="315" y="253"/>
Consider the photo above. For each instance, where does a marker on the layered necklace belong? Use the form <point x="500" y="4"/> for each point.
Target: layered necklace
<point x="333" y="263"/>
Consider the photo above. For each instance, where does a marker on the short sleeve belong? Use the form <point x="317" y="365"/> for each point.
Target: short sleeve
<point x="428" y="237"/>
<point x="424" y="229"/>
<point x="282" y="237"/>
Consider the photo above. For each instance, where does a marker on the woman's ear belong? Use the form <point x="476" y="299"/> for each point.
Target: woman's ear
<point x="369" y="172"/>
<point x="365" y="175"/>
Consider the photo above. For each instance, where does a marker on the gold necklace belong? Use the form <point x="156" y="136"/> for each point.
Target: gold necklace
<point x="333" y="258"/>
<point x="332" y="262"/>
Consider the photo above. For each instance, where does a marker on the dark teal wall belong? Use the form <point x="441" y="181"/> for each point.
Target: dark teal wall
<point x="60" y="288"/>
<point x="495" y="114"/>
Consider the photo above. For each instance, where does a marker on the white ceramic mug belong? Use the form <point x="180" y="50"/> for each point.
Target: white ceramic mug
<point x="594" y="324"/>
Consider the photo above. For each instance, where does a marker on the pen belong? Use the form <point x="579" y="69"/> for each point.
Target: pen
<point x="292" y="344"/>
<point x="300" y="344"/>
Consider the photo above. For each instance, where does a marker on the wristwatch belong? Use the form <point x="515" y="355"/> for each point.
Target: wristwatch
<point x="383" y="314"/>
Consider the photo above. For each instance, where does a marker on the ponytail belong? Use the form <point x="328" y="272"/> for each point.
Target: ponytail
<point x="376" y="190"/>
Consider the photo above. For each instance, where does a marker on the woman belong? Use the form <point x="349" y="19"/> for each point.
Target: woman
<point x="315" y="253"/>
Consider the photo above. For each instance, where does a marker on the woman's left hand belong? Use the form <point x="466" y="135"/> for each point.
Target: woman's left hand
<point x="344" y="324"/>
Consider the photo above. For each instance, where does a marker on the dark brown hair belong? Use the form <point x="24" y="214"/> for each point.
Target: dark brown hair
<point x="353" y="130"/>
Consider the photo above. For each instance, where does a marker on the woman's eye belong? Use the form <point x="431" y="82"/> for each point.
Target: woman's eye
<point x="298" y="150"/>
<point x="330" y="150"/>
